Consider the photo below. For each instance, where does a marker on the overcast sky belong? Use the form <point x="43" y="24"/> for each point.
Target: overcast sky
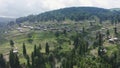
<point x="18" y="8"/>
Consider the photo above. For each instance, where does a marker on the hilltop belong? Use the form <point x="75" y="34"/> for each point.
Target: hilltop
<point x="72" y="13"/>
<point x="115" y="9"/>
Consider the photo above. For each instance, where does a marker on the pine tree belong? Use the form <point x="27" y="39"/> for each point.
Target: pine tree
<point x="12" y="43"/>
<point x="115" y="30"/>
<point x="64" y="61"/>
<point x="76" y="42"/>
<point x="14" y="60"/>
<point x="35" y="50"/>
<point x="24" y="49"/>
<point x="11" y="59"/>
<point x="37" y="59"/>
<point x="51" y="57"/>
<point x="17" y="63"/>
<point x="28" y="61"/>
<point x="2" y="61"/>
<point x="57" y="34"/>
<point x="47" y="48"/>
<point x="83" y="29"/>
<point x="37" y="62"/>
<point x="91" y="23"/>
<point x="107" y="33"/>
<point x="32" y="57"/>
<point x="64" y="32"/>
<point x="100" y="39"/>
<point x="39" y="47"/>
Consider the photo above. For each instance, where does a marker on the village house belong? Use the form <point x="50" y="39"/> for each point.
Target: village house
<point x="15" y="50"/>
<point x="20" y="29"/>
<point x="113" y="40"/>
<point x="30" y="27"/>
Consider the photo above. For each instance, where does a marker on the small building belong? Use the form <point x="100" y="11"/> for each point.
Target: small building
<point x="25" y="26"/>
<point x="30" y="27"/>
<point x="6" y="32"/>
<point x="45" y="29"/>
<point x="103" y="28"/>
<point x="21" y="31"/>
<point x="103" y="50"/>
<point x="19" y="28"/>
<point x="15" y="51"/>
<point x="113" y="40"/>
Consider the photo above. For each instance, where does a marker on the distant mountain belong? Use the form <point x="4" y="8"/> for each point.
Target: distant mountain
<point x="115" y="9"/>
<point x="72" y="13"/>
<point x="6" y="20"/>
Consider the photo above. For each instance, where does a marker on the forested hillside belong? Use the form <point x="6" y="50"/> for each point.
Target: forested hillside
<point x="73" y="13"/>
<point x="77" y="37"/>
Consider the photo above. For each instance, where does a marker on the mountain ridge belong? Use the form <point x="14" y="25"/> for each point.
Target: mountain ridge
<point x="72" y="13"/>
<point x="6" y="19"/>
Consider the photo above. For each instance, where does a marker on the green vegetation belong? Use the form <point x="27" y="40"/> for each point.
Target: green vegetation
<point x="75" y="14"/>
<point x="73" y="42"/>
<point x="67" y="49"/>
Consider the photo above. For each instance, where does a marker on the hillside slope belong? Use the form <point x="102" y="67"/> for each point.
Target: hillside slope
<point x="72" y="13"/>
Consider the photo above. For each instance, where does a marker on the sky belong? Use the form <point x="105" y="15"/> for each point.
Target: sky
<point x="19" y="8"/>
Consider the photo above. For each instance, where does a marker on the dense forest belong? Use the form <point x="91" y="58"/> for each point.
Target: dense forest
<point x="73" y="13"/>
